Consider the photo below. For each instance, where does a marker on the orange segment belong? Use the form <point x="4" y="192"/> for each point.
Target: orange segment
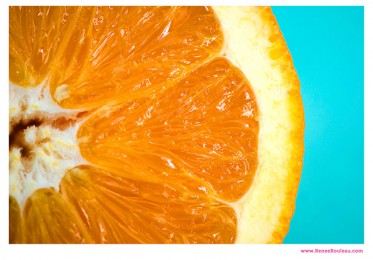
<point x="32" y="42"/>
<point x="15" y="228"/>
<point x="116" y="209"/>
<point x="48" y="219"/>
<point x="204" y="126"/>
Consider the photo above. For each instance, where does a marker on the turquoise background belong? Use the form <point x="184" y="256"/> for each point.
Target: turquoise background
<point x="327" y="46"/>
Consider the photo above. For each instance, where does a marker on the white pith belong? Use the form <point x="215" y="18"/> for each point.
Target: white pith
<point x="53" y="151"/>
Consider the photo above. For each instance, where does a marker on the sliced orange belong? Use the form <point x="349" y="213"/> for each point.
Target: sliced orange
<point x="152" y="125"/>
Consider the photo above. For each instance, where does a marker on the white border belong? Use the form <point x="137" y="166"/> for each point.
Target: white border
<point x="178" y="251"/>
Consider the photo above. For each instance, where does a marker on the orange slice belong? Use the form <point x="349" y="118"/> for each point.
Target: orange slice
<point x="152" y="125"/>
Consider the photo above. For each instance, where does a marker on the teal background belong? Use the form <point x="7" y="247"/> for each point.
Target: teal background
<point x="327" y="46"/>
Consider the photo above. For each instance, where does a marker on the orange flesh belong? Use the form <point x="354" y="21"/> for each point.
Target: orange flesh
<point x="171" y="134"/>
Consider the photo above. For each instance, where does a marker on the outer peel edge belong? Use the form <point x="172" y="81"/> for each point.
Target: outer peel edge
<point x="255" y="44"/>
